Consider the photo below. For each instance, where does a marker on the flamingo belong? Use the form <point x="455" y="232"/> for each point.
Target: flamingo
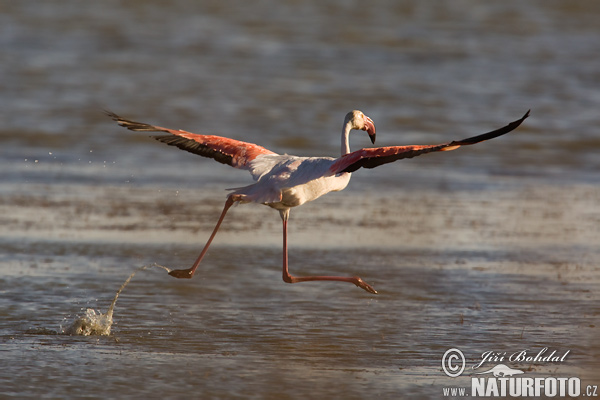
<point x="285" y="181"/>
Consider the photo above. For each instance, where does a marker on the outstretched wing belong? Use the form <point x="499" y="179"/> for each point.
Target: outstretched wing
<point x="374" y="157"/>
<point x="232" y="152"/>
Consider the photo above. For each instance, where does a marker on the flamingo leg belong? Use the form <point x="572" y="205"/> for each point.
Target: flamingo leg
<point x="295" y="279"/>
<point x="188" y="273"/>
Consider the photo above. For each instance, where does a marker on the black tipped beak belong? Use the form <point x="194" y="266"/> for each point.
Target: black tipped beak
<point x="370" y="128"/>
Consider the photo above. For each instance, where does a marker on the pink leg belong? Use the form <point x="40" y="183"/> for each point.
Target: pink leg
<point x="188" y="273"/>
<point x="295" y="279"/>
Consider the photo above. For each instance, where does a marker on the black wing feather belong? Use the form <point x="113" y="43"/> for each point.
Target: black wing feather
<point x="490" y="135"/>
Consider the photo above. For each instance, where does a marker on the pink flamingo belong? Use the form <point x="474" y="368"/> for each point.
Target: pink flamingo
<point x="285" y="181"/>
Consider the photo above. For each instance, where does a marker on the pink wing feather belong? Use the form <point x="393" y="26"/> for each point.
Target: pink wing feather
<point x="232" y="152"/>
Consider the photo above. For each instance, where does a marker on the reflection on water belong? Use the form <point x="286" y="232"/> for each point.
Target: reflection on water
<point x="488" y="248"/>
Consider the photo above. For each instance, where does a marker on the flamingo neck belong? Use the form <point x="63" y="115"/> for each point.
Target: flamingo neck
<point x="345" y="134"/>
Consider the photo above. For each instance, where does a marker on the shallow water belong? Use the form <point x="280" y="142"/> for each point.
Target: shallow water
<point x="493" y="247"/>
<point x="95" y="322"/>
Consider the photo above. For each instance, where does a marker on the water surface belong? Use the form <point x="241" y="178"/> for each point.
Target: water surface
<point x="492" y="247"/>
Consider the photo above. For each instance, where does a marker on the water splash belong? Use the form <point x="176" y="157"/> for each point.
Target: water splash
<point x="91" y="323"/>
<point x="98" y="323"/>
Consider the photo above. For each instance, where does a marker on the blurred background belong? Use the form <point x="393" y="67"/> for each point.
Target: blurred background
<point x="83" y="202"/>
<point x="285" y="74"/>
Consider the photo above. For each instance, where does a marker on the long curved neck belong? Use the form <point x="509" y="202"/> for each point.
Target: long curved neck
<point x="345" y="134"/>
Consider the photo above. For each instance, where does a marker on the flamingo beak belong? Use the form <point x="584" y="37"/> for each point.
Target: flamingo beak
<point x="370" y="128"/>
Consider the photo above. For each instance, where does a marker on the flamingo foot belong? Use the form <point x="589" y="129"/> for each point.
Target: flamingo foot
<point x="183" y="273"/>
<point x="364" y="285"/>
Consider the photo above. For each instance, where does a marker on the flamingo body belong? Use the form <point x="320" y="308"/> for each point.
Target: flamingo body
<point x="286" y="181"/>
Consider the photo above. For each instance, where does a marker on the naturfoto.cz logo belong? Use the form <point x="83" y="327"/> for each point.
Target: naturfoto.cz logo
<point x="501" y="380"/>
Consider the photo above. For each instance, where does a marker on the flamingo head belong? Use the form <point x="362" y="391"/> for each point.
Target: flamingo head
<point x="358" y="120"/>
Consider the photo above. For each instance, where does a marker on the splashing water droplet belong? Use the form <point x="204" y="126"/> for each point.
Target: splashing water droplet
<point x="95" y="322"/>
<point x="92" y="323"/>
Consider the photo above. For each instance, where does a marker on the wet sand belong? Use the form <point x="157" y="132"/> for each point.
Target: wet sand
<point x="511" y="215"/>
